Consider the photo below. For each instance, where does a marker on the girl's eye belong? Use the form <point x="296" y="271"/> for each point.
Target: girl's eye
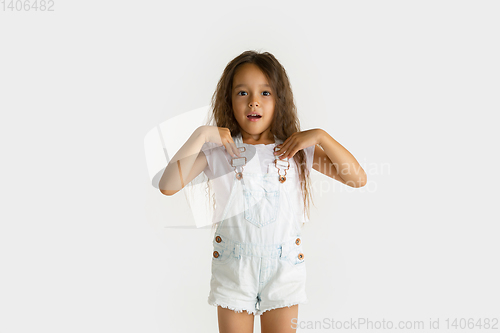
<point x="266" y="93"/>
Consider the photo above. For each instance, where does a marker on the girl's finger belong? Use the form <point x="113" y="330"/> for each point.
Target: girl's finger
<point x="234" y="150"/>
<point x="229" y="149"/>
<point x="283" y="153"/>
<point x="280" y="150"/>
<point x="237" y="151"/>
<point x="284" y="150"/>
<point x="291" y="151"/>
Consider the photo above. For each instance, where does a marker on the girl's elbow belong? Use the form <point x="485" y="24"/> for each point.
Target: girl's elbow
<point x="168" y="193"/>
<point x="355" y="183"/>
<point x="361" y="182"/>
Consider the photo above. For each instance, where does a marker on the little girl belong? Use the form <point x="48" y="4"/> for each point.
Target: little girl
<point x="259" y="162"/>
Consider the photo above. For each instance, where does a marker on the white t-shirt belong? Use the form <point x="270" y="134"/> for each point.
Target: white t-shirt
<point x="258" y="156"/>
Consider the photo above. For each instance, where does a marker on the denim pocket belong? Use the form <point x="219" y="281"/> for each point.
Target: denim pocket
<point x="296" y="256"/>
<point x="221" y="254"/>
<point x="261" y="207"/>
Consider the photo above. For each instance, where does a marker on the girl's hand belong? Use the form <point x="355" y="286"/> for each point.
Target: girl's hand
<point x="220" y="136"/>
<point x="298" y="141"/>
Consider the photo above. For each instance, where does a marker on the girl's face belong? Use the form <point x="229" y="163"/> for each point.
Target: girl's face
<point x="252" y="94"/>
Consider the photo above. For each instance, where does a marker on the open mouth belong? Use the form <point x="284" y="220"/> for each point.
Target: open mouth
<point x="254" y="116"/>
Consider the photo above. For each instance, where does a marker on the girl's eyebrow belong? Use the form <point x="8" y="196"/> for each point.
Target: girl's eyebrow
<point x="243" y="85"/>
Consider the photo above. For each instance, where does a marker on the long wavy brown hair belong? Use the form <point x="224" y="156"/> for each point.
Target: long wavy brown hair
<point x="285" y="122"/>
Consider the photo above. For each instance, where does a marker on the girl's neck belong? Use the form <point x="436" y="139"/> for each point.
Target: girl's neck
<point x="257" y="139"/>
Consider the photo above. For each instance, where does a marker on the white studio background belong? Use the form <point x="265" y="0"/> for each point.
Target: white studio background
<point x="410" y="88"/>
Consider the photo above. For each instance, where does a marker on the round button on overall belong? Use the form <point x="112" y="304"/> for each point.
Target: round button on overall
<point x="301" y="256"/>
<point x="218" y="239"/>
<point x="297" y="241"/>
<point x="216" y="254"/>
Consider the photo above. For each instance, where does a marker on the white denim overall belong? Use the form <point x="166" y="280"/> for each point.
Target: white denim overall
<point x="258" y="261"/>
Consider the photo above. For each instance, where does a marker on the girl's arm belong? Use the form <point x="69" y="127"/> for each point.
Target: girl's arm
<point x="331" y="159"/>
<point x="337" y="162"/>
<point x="188" y="161"/>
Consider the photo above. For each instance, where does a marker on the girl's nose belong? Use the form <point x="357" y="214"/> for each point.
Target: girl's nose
<point x="253" y="104"/>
